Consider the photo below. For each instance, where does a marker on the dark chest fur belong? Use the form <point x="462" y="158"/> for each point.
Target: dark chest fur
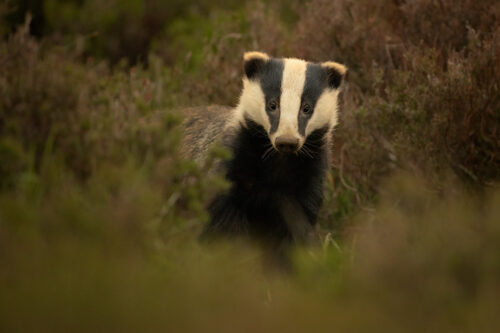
<point x="272" y="197"/>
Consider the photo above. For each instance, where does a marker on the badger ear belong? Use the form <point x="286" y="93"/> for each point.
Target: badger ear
<point x="335" y="73"/>
<point x="253" y="63"/>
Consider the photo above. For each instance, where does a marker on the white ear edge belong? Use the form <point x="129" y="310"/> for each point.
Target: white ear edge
<point x="255" y="55"/>
<point x="336" y="66"/>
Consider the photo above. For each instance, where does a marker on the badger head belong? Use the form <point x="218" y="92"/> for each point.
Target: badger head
<point x="290" y="98"/>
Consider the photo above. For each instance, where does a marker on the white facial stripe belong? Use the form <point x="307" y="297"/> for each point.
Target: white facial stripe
<point x="294" y="76"/>
<point x="325" y="112"/>
<point x="254" y="103"/>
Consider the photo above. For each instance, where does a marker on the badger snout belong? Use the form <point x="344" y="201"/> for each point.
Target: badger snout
<point x="287" y="144"/>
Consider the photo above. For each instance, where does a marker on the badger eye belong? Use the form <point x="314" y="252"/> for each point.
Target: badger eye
<point x="306" y="109"/>
<point x="273" y="105"/>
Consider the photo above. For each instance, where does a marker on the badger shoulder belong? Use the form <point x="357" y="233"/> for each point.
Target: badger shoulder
<point x="204" y="126"/>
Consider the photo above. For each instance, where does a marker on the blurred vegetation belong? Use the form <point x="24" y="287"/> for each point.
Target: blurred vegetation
<point x="99" y="214"/>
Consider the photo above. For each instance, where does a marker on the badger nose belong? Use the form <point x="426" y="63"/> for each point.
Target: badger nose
<point x="286" y="144"/>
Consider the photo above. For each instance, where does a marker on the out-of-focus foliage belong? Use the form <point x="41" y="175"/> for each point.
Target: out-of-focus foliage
<point x="64" y="123"/>
<point x="99" y="214"/>
<point x="423" y="88"/>
<point x="114" y="29"/>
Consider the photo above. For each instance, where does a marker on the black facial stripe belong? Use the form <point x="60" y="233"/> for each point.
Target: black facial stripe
<point x="316" y="138"/>
<point x="316" y="83"/>
<point x="270" y="81"/>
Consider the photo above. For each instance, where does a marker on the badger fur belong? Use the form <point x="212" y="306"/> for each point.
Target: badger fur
<point x="279" y="136"/>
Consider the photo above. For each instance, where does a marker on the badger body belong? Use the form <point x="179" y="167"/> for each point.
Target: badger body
<point x="279" y="136"/>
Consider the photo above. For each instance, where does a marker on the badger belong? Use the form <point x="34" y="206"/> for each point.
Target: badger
<point x="279" y="135"/>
